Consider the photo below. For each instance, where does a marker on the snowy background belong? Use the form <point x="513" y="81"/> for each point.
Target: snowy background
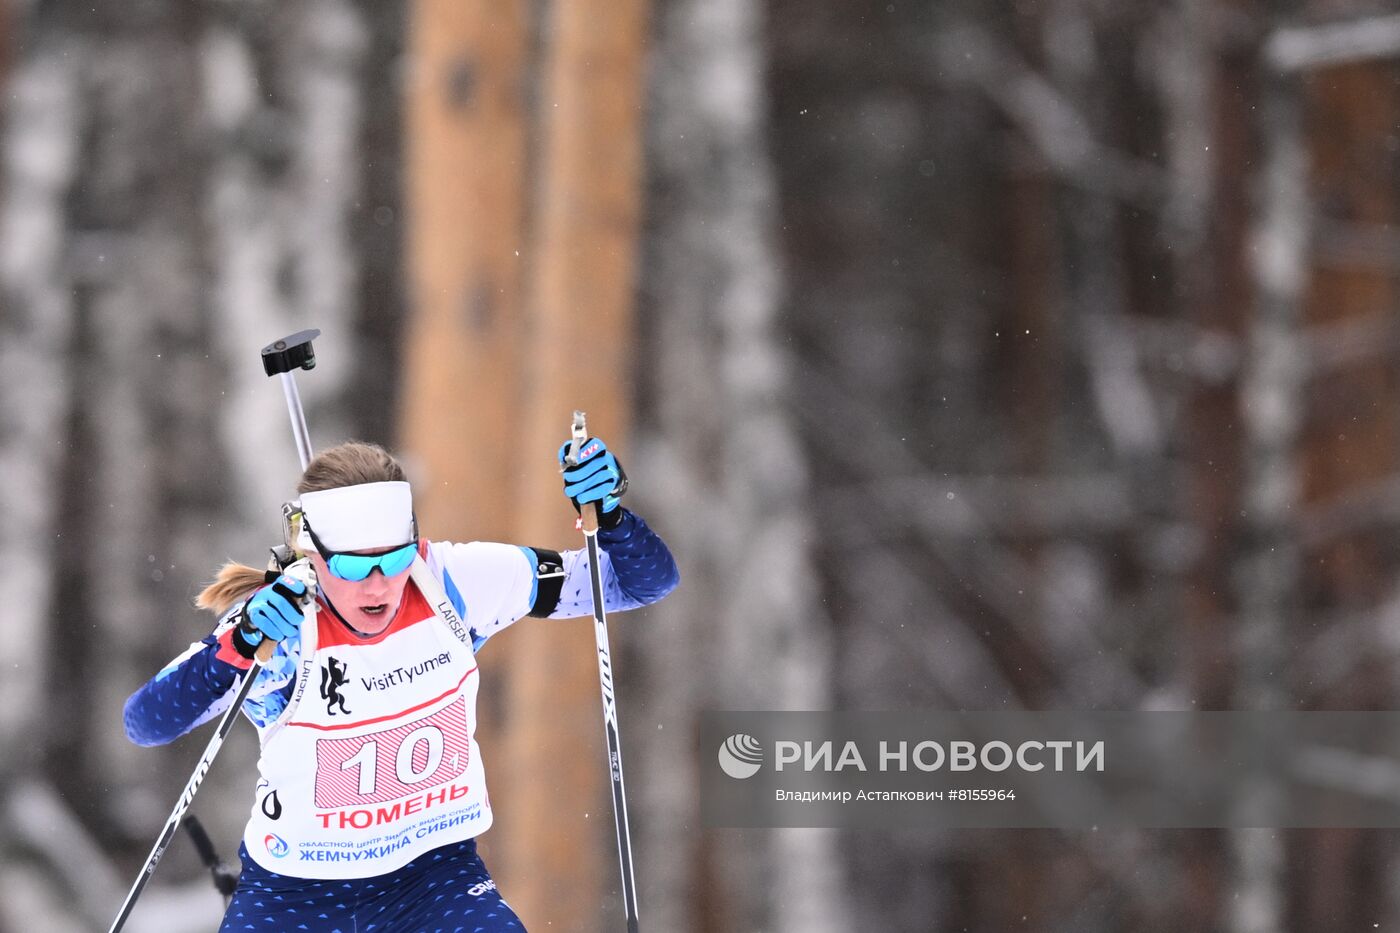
<point x="970" y="355"/>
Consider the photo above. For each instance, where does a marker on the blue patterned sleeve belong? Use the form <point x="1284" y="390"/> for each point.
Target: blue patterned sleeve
<point x="638" y="570"/>
<point x="186" y="693"/>
<point x="198" y="685"/>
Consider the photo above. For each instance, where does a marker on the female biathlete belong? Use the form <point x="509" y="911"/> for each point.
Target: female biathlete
<point x="371" y="787"/>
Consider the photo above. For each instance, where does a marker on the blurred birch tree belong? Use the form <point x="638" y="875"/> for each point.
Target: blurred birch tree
<point x="181" y="184"/>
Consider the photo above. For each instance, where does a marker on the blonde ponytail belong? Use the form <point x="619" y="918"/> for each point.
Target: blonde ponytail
<point x="234" y="583"/>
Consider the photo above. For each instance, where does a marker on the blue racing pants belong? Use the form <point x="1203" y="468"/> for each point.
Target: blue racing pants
<point x="447" y="890"/>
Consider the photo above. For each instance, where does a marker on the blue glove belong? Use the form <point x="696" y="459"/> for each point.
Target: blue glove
<point x="272" y="612"/>
<point x="598" y="477"/>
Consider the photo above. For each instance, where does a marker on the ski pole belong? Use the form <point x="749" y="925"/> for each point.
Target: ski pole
<point x="588" y="514"/>
<point x="279" y="358"/>
<point x="225" y="881"/>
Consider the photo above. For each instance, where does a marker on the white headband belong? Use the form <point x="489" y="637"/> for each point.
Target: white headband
<point x="361" y="518"/>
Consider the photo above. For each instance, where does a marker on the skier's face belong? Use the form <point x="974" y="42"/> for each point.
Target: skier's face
<point x="369" y="605"/>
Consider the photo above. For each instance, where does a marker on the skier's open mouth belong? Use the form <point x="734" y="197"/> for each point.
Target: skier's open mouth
<point x="374" y="610"/>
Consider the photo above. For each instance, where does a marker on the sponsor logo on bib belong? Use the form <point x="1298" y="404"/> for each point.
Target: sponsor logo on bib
<point x="405" y="675"/>
<point x="333" y="677"/>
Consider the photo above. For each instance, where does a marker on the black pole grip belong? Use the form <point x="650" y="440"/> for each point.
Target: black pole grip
<point x="289" y="353"/>
<point x="224" y="880"/>
<point x="202" y="843"/>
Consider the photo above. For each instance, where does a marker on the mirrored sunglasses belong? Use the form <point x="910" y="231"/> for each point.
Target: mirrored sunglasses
<point x="356" y="567"/>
